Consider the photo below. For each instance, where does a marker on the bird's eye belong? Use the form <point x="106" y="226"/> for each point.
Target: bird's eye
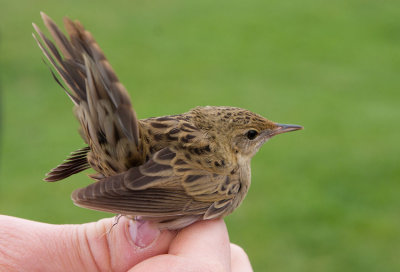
<point x="251" y="134"/>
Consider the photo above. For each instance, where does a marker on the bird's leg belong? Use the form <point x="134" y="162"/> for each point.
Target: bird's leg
<point x="116" y="220"/>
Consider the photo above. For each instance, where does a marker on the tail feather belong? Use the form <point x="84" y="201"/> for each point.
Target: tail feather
<point x="74" y="163"/>
<point x="60" y="69"/>
<point x="102" y="104"/>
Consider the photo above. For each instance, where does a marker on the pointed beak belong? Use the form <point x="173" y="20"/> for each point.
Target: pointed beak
<point x="282" y="128"/>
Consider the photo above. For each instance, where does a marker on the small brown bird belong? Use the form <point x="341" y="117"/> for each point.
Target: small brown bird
<point x="172" y="170"/>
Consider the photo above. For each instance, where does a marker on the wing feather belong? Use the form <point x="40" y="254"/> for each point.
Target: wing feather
<point x="156" y="190"/>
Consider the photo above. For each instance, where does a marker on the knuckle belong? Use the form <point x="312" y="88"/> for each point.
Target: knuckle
<point x="238" y="252"/>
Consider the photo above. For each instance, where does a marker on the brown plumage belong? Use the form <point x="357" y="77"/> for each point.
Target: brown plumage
<point x="173" y="170"/>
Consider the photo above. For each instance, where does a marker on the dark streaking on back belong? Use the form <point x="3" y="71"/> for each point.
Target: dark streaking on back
<point x="173" y="170"/>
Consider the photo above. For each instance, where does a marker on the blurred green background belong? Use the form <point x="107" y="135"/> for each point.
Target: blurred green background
<point x="323" y="199"/>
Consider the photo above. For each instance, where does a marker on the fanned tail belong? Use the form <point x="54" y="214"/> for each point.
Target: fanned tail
<point x="102" y="105"/>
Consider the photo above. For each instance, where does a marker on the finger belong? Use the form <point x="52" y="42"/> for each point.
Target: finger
<point x="203" y="246"/>
<point x="239" y="260"/>
<point x="37" y="246"/>
<point x="128" y="243"/>
<point x="204" y="240"/>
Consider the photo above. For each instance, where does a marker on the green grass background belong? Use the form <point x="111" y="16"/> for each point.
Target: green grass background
<point x="323" y="199"/>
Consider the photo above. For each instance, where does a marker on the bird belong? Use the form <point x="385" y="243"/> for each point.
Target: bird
<point x="171" y="170"/>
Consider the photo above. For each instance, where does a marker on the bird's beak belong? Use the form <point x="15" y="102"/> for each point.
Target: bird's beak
<point x="282" y="128"/>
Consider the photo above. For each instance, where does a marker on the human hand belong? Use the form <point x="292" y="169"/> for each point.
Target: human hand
<point x="130" y="246"/>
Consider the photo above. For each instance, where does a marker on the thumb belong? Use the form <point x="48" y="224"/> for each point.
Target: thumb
<point x="34" y="246"/>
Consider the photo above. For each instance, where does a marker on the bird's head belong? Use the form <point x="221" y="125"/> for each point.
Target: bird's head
<point x="241" y="130"/>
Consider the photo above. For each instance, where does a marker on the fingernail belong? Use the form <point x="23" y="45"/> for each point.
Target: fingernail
<point x="143" y="233"/>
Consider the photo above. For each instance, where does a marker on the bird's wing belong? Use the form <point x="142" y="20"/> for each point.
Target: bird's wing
<point x="167" y="185"/>
<point x="102" y="105"/>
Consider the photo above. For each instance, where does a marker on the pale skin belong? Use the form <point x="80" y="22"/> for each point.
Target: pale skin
<point x="33" y="246"/>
